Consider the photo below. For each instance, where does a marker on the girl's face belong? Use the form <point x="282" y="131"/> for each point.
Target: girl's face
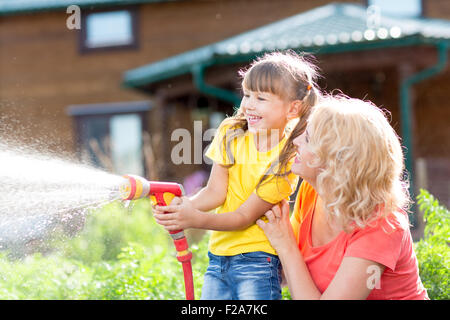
<point x="303" y="157"/>
<point x="264" y="111"/>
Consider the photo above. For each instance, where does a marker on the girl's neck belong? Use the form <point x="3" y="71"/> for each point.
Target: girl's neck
<point x="266" y="140"/>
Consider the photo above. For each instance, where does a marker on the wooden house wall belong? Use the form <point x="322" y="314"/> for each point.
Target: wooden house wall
<point x="42" y="72"/>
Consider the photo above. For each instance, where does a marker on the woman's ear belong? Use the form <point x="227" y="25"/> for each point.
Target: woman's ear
<point x="294" y="109"/>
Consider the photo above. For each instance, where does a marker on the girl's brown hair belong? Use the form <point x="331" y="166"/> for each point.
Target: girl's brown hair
<point x="289" y="76"/>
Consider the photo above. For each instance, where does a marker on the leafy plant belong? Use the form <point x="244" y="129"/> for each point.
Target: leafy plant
<point x="433" y="252"/>
<point x="120" y="254"/>
<point x="123" y="254"/>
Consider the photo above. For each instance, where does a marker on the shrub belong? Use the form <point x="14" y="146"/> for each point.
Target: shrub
<point x="124" y="254"/>
<point x="433" y="252"/>
<point x="119" y="254"/>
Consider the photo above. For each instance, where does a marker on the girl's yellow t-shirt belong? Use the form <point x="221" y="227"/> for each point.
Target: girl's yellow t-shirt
<point x="243" y="177"/>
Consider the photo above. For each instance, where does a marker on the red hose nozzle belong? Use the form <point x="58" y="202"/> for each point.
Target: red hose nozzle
<point x="162" y="193"/>
<point x="135" y="187"/>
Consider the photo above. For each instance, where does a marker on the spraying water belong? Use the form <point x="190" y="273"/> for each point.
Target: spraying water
<point x="38" y="191"/>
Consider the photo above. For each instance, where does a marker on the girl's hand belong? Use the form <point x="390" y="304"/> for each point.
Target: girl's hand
<point x="179" y="215"/>
<point x="278" y="229"/>
<point x="161" y="210"/>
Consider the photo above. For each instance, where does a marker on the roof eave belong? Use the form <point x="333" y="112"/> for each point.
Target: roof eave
<point x="149" y="74"/>
<point x="9" y="9"/>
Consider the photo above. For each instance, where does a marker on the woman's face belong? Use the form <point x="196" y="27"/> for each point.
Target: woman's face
<point x="303" y="157"/>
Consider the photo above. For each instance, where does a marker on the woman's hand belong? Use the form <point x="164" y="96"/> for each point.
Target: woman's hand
<point x="180" y="214"/>
<point x="278" y="227"/>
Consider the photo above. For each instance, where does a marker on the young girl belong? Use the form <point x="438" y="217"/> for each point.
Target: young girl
<point x="350" y="237"/>
<point x="252" y="155"/>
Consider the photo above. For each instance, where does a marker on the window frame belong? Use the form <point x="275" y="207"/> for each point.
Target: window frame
<point x="134" y="45"/>
<point x="80" y="112"/>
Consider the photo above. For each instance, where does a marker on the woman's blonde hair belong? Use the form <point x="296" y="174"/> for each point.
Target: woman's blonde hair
<point x="360" y="159"/>
<point x="289" y="76"/>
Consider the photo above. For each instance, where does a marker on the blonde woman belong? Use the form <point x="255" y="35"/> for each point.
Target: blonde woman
<point x="349" y="235"/>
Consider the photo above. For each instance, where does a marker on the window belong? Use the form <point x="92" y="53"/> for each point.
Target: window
<point x="107" y="30"/>
<point x="126" y="143"/>
<point x="110" y="135"/>
<point x="398" y="8"/>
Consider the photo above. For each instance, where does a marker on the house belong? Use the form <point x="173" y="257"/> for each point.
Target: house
<point x="119" y="98"/>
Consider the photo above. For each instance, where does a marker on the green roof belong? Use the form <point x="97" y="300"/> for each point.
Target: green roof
<point x="331" y="28"/>
<point x="8" y="7"/>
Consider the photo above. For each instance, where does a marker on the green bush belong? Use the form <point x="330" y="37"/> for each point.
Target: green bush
<point x="120" y="254"/>
<point x="123" y="254"/>
<point x="433" y="252"/>
<point x="38" y="277"/>
<point x="109" y="229"/>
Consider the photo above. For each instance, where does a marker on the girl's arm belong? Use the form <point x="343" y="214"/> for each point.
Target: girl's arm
<point x="185" y="215"/>
<point x="215" y="192"/>
<point x="353" y="279"/>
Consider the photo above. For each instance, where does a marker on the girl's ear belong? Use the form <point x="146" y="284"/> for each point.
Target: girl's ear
<point x="294" y="109"/>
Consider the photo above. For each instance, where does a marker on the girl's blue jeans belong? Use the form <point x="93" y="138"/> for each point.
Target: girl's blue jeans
<point x="246" y="276"/>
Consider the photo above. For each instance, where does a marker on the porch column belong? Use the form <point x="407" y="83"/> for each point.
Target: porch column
<point x="160" y="135"/>
<point x="407" y="118"/>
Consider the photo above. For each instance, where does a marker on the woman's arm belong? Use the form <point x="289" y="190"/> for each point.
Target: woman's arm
<point x="185" y="215"/>
<point x="353" y="280"/>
